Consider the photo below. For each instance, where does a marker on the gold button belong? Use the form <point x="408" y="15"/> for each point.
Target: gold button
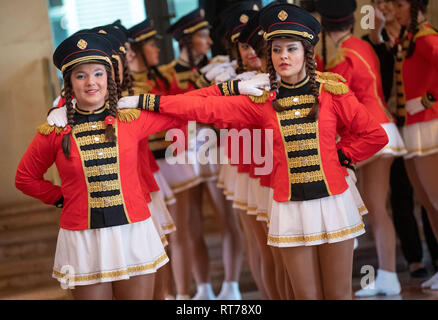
<point x="101" y="169"/>
<point x="302" y="144"/>
<point x="295" y="99"/>
<point x="299" y="129"/>
<point x="305" y="161"/>
<point x="100" y="154"/>
<point x="307" y="178"/>
<point x="107" y="201"/>
<point x="97" y="139"/>
<point x="104" y="186"/>
<point x="93" y="126"/>
<point x="297" y="113"/>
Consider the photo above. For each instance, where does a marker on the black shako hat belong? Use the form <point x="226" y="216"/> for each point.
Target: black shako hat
<point x="285" y="20"/>
<point x="336" y="13"/>
<point x="234" y="18"/>
<point x="142" y="31"/>
<point x="82" y="48"/>
<point x="118" y="25"/>
<point x="115" y="36"/>
<point x="190" y="23"/>
<point x="252" y="32"/>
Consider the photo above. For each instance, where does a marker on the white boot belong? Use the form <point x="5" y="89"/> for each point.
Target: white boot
<point x="229" y="291"/>
<point x="432" y="283"/>
<point x="386" y="283"/>
<point x="205" y="292"/>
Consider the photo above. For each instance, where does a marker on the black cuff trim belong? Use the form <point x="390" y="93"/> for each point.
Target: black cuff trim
<point x="59" y="203"/>
<point x="428" y="100"/>
<point x="150" y="102"/>
<point x="344" y="160"/>
<point x="229" y="88"/>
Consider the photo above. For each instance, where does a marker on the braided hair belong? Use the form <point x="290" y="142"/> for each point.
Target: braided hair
<point x="115" y="63"/>
<point x="153" y="72"/>
<point x="187" y="42"/>
<point x="416" y="7"/>
<point x="127" y="78"/>
<point x="310" y="66"/>
<point x="110" y="133"/>
<point x="240" y="66"/>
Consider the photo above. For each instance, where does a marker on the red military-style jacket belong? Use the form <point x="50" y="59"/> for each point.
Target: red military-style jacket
<point x="100" y="183"/>
<point x="417" y="76"/>
<point x="357" y="62"/>
<point x="306" y="164"/>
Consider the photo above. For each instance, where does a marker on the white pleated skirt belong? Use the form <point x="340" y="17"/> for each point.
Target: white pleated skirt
<point x="395" y="146"/>
<point x="180" y="177"/>
<point x="108" y="254"/>
<point x="165" y="191"/>
<point x="351" y="181"/>
<point x="313" y="222"/>
<point x="240" y="200"/>
<point x="159" y="211"/>
<point x="227" y="180"/>
<point x="421" y="138"/>
<point x="263" y="201"/>
<point x="253" y="184"/>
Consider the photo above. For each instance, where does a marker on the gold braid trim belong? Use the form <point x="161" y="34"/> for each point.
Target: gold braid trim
<point x="330" y="76"/>
<point x="127" y="115"/>
<point x="262" y="99"/>
<point x="47" y="129"/>
<point x="333" y="86"/>
<point x="167" y="70"/>
<point x="425" y="30"/>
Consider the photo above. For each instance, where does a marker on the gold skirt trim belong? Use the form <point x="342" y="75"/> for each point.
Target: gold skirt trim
<point x="111" y="274"/>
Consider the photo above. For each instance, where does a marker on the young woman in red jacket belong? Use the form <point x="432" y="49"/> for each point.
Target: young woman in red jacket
<point x="314" y="217"/>
<point x="357" y="62"/>
<point x="106" y="234"/>
<point x="417" y="107"/>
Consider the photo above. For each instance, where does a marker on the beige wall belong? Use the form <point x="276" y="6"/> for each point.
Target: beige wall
<point x="26" y="60"/>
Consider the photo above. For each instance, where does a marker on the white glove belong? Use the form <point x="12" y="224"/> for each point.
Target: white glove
<point x="58" y="117"/>
<point x="228" y="74"/>
<point x="246" y="75"/>
<point x="215" y="71"/>
<point x="253" y="86"/>
<point x="414" y="106"/>
<point x="220" y="59"/>
<point x="129" y="102"/>
<point x="208" y="67"/>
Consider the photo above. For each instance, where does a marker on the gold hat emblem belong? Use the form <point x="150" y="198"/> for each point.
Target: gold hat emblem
<point x="244" y="18"/>
<point x="102" y="31"/>
<point x="255" y="7"/>
<point x="261" y="32"/>
<point x="202" y="13"/>
<point x="82" y="44"/>
<point x="282" y="15"/>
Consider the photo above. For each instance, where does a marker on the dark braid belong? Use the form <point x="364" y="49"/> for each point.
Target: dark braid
<point x="311" y="72"/>
<point x="414" y="10"/>
<point x="272" y="77"/>
<point x="127" y="78"/>
<point x="110" y="132"/>
<point x="240" y="66"/>
<point x="186" y="42"/>
<point x="70" y="113"/>
<point x="115" y="63"/>
<point x="324" y="49"/>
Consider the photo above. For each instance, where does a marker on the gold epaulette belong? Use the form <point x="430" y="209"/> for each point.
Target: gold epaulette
<point x="127" y="115"/>
<point x="47" y="129"/>
<point x="140" y="87"/>
<point x="261" y="99"/>
<point x="333" y="82"/>
<point x="166" y="70"/>
<point x="425" y="30"/>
